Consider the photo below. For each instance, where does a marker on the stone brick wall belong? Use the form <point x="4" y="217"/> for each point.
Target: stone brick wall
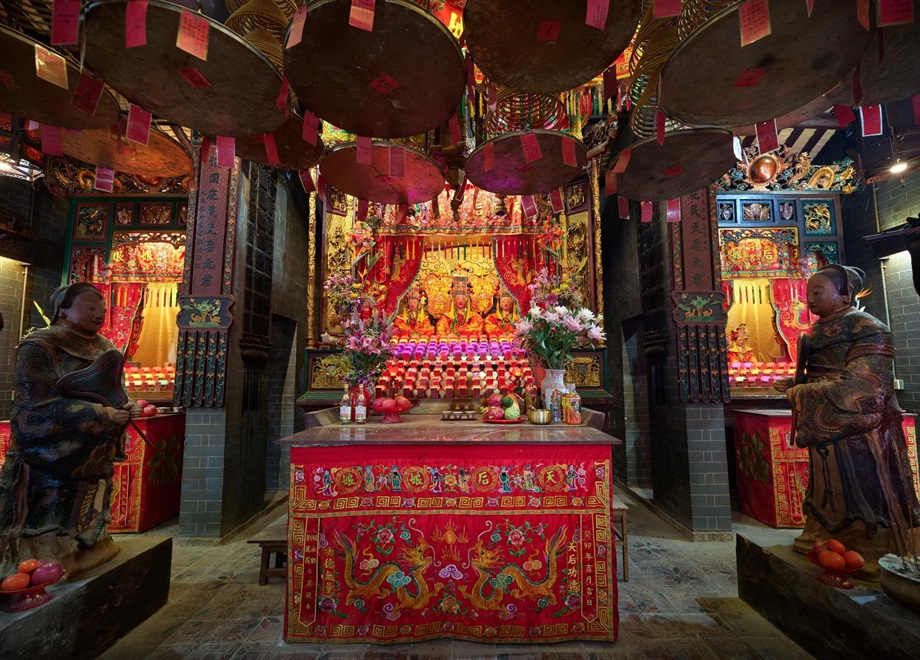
<point x="888" y="203"/>
<point x="44" y="217"/>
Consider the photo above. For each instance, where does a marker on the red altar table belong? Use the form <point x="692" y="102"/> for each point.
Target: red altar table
<point x="772" y="473"/>
<point x="450" y="529"/>
<point x="147" y="485"/>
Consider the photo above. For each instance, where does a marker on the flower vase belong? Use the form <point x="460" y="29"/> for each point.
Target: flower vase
<point x="554" y="380"/>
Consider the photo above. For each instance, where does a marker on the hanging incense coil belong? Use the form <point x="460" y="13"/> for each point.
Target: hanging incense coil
<point x="288" y="7"/>
<point x="259" y="15"/>
<point x="545" y="46"/>
<point x="405" y="77"/>
<point x="294" y="153"/>
<point x="655" y="40"/>
<point x="522" y="112"/>
<point x="32" y="16"/>
<point x="893" y="77"/>
<point x="695" y="13"/>
<point x="712" y="80"/>
<point x="268" y="45"/>
<point x="37" y="99"/>
<point x="231" y="93"/>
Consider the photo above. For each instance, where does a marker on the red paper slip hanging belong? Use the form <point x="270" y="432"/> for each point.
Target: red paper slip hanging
<point x="296" y="33"/>
<point x="384" y="84"/>
<point x="666" y="8"/>
<point x="660" y="119"/>
<point x="531" y="147"/>
<point x="596" y="16"/>
<point x="844" y="115"/>
<point x="610" y="183"/>
<point x="766" y="136"/>
<point x="623" y="207"/>
<point x="226" y="151"/>
<point x="281" y="100"/>
<point x="397" y="162"/>
<point x="271" y="150"/>
<point x="610" y="83"/>
<point x="529" y="206"/>
<point x="52" y="140"/>
<point x="871" y="120"/>
<point x="488" y="156"/>
<point x="136" y="24"/>
<point x="809" y="7"/>
<point x="87" y="93"/>
<point x="194" y="77"/>
<point x="361" y="15"/>
<point x="862" y="13"/>
<point x="622" y="161"/>
<point x="105" y="179"/>
<point x="50" y="67"/>
<point x="674" y="210"/>
<point x="362" y="210"/>
<point x="310" y="127"/>
<point x="749" y="78"/>
<point x="568" y="152"/>
<point x="321" y="188"/>
<point x="306" y="181"/>
<point x="364" y="154"/>
<point x="193" y="35"/>
<point x="555" y="196"/>
<point x="895" y="12"/>
<point x="915" y="102"/>
<point x="65" y="23"/>
<point x="138" y="129"/>
<point x="205" y="154"/>
<point x="549" y="31"/>
<point x="646" y="211"/>
<point x="754" y="20"/>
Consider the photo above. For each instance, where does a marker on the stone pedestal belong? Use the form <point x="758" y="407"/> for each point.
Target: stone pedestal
<point x="863" y="622"/>
<point x="89" y="615"/>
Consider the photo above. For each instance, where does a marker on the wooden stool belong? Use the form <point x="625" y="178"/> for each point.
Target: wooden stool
<point x="619" y="509"/>
<point x="273" y="541"/>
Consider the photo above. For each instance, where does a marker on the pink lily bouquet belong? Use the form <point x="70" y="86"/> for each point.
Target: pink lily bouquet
<point x="557" y="322"/>
<point x="367" y="346"/>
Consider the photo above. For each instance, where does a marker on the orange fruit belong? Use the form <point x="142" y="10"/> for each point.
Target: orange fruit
<point x="836" y="546"/>
<point x="853" y="559"/>
<point x="818" y="547"/>
<point x="831" y="560"/>
<point x="29" y="565"/>
<point x="15" y="582"/>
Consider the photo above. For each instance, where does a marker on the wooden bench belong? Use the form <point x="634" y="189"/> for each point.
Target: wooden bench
<point x="620" y="510"/>
<point x="273" y="541"/>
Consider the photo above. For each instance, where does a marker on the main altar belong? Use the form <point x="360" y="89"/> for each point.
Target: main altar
<point x="463" y="529"/>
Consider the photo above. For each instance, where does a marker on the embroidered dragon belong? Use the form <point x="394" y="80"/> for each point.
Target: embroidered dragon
<point x="492" y="583"/>
<point x="406" y="579"/>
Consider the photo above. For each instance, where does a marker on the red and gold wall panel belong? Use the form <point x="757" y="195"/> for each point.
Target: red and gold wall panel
<point x="503" y="543"/>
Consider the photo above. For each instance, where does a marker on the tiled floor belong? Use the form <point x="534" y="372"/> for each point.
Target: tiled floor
<point x="681" y="602"/>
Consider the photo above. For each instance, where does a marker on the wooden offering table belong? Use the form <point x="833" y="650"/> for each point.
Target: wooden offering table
<point x="772" y="472"/>
<point x="458" y="529"/>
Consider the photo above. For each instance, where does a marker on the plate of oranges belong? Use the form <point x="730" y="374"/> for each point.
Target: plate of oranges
<point x="838" y="563"/>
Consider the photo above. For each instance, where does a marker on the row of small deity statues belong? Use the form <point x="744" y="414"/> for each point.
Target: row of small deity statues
<point x="460" y="320"/>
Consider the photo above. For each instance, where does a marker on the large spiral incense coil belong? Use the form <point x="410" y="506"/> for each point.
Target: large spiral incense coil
<point x="259" y="14"/>
<point x="695" y="13"/>
<point x="268" y="44"/>
<point x="521" y="112"/>
<point x="32" y="16"/>
<point x="655" y="40"/>
<point x="288" y="7"/>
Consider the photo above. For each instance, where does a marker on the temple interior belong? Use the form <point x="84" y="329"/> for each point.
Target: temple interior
<point x="464" y="328"/>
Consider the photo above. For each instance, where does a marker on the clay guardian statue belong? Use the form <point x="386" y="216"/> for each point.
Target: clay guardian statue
<point x="845" y="412"/>
<point x="56" y="482"/>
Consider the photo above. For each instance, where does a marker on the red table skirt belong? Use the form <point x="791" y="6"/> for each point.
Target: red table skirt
<point x="502" y="543"/>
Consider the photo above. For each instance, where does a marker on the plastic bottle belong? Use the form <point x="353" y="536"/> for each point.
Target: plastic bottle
<point x="345" y="407"/>
<point x="361" y="408"/>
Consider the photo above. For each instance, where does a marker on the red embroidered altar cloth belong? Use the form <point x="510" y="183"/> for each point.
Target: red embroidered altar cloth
<point x="506" y="543"/>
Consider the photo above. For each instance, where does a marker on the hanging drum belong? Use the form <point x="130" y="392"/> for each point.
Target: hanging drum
<point x="840" y="95"/>
<point x="545" y="46"/>
<point x="162" y="156"/>
<point x="897" y="75"/>
<point x="24" y="94"/>
<point x="689" y="159"/>
<point x="233" y="92"/>
<point x="405" y="77"/>
<point x="391" y="178"/>
<point x="711" y="80"/>
<point x="294" y="153"/>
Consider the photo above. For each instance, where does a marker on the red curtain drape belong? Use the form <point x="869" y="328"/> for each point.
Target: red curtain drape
<point x="514" y="259"/>
<point x="792" y="315"/>
<point x="397" y="267"/>
<point x="125" y="321"/>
